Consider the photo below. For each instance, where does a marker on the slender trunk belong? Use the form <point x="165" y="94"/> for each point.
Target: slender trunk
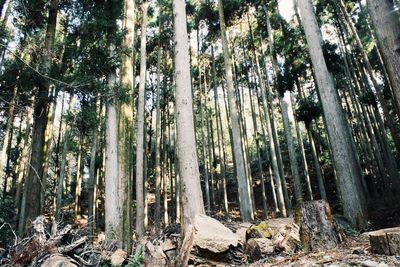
<point x="140" y="126"/>
<point x="24" y="157"/>
<point x="125" y="117"/>
<point x="387" y="30"/>
<point x="7" y="134"/>
<point x="188" y="169"/>
<point x="246" y="210"/>
<point x="92" y="172"/>
<point x="60" y="180"/>
<point x="220" y="135"/>
<point x="347" y="169"/>
<point x="157" y="218"/>
<point x="113" y="210"/>
<point x="31" y="205"/>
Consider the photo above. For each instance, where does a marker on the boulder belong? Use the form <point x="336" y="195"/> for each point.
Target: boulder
<point x="262" y="230"/>
<point x="58" y="260"/>
<point x="154" y="255"/>
<point x="118" y="257"/>
<point x="212" y="235"/>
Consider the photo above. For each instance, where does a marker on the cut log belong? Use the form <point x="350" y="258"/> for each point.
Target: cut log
<point x="385" y="241"/>
<point x="318" y="231"/>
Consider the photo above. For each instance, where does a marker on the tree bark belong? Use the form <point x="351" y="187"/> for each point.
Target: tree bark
<point x="140" y="126"/>
<point x="192" y="200"/>
<point x="347" y="169"/>
<point x="113" y="209"/>
<point x="387" y="30"/>
<point x="246" y="210"/>
<point x="33" y="184"/>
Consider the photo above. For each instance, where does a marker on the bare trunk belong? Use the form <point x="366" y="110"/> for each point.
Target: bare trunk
<point x="31" y="205"/>
<point x="246" y="210"/>
<point x="140" y="126"/>
<point x="188" y="169"/>
<point x="387" y="31"/>
<point x="125" y="109"/>
<point x="347" y="169"/>
<point x="113" y="209"/>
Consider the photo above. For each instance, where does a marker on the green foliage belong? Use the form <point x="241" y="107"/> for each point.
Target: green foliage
<point x="285" y="80"/>
<point x="332" y="58"/>
<point x="308" y="109"/>
<point x="369" y="98"/>
<point x="136" y="260"/>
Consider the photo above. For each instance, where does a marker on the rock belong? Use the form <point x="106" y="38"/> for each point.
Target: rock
<point x="257" y="247"/>
<point x="358" y="251"/>
<point x="287" y="238"/>
<point x="369" y="263"/>
<point x="212" y="235"/>
<point x="382" y="264"/>
<point x="58" y="260"/>
<point x="118" y="257"/>
<point x="154" y="255"/>
<point x="241" y="232"/>
<point x="261" y="230"/>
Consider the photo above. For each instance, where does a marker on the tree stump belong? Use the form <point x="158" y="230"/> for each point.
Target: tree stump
<point x="318" y="230"/>
<point x="385" y="241"/>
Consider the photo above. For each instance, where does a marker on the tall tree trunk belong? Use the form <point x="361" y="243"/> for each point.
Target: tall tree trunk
<point x="92" y="171"/>
<point x="60" y="179"/>
<point x="140" y="126"/>
<point x="220" y="137"/>
<point x="388" y="117"/>
<point x="246" y="210"/>
<point x="24" y="157"/>
<point x="347" y="169"/>
<point x="291" y="148"/>
<point x="387" y="30"/>
<point x="273" y="121"/>
<point x="157" y="218"/>
<point x="113" y="210"/>
<point x="79" y="174"/>
<point x="33" y="185"/>
<point x="126" y="126"/>
<point x="8" y="132"/>
<point x="192" y="200"/>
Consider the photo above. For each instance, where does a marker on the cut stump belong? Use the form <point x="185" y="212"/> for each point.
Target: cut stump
<point x="318" y="230"/>
<point x="385" y="241"/>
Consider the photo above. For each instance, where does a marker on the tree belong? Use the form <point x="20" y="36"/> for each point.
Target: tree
<point x="346" y="165"/>
<point x="31" y="207"/>
<point x="126" y="123"/>
<point x="246" y="210"/>
<point x="387" y="30"/>
<point x="140" y="126"/>
<point x="191" y="196"/>
<point x="113" y="210"/>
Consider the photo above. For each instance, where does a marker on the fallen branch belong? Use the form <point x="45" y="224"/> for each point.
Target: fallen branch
<point x="73" y="245"/>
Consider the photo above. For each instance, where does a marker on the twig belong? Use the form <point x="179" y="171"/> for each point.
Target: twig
<point x="15" y="236"/>
<point x="72" y="246"/>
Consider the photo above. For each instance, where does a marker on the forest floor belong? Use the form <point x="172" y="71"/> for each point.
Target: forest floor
<point x="74" y="246"/>
<point x="354" y="251"/>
